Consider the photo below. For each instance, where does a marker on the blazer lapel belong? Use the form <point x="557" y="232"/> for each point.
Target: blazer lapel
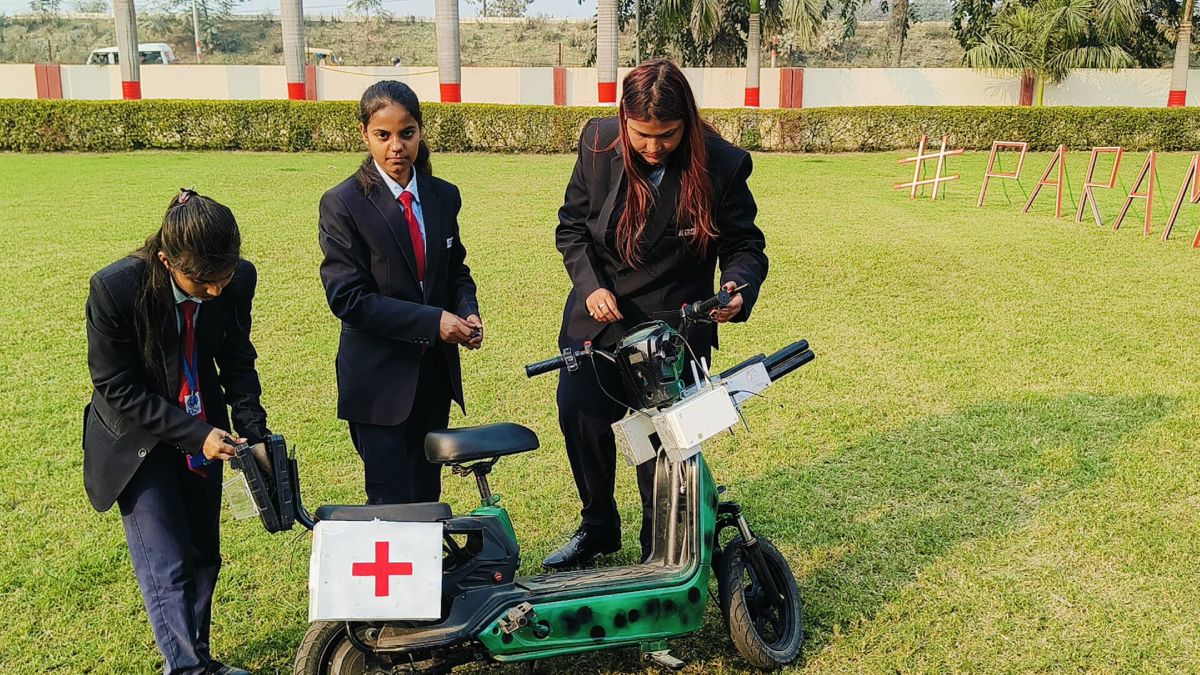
<point x="392" y="215"/>
<point x="616" y="173"/>
<point x="435" y="244"/>
<point x="170" y="347"/>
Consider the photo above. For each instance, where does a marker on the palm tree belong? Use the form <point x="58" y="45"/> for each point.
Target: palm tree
<point x="753" y="53"/>
<point x="1183" y="47"/>
<point x="291" y="20"/>
<point x="127" y="50"/>
<point x="1045" y="41"/>
<point x="449" y="51"/>
<point x="606" y="51"/>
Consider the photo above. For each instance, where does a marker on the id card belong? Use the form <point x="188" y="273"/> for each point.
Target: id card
<point x="191" y="404"/>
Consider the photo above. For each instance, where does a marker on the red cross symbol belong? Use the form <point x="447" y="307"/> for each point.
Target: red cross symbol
<point x="381" y="569"/>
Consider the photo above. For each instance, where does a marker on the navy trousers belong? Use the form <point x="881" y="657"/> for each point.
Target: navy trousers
<point x="394" y="464"/>
<point x="172" y="524"/>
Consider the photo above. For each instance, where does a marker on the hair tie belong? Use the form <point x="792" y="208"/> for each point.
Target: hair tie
<point x="184" y="195"/>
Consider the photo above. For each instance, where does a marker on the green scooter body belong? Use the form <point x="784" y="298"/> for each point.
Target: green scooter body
<point x="643" y="604"/>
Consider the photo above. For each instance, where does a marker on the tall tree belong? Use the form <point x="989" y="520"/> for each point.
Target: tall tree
<point x="449" y="50"/>
<point x="1183" y="46"/>
<point x="501" y="8"/>
<point x="371" y="11"/>
<point x="1048" y="39"/>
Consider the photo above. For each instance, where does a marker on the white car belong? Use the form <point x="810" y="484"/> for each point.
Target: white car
<point x="154" y="53"/>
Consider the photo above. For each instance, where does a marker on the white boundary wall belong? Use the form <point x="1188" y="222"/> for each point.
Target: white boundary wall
<point x="714" y="87"/>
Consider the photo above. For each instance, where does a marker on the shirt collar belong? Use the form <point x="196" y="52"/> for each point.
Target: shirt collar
<point x="180" y="296"/>
<point x="397" y="188"/>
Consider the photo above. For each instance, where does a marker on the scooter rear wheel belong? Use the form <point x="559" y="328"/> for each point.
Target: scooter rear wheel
<point x="766" y="628"/>
<point x="327" y="650"/>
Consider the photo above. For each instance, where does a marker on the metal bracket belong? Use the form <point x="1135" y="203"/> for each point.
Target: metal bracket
<point x="517" y="618"/>
<point x="664" y="659"/>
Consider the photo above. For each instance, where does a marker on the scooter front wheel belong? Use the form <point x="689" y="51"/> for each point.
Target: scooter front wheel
<point x="761" y="602"/>
<point x="327" y="650"/>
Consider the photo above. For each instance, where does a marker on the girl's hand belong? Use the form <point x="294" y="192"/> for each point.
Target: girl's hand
<point x="215" y="447"/>
<point x="476" y="325"/>
<point x="602" y="305"/>
<point x="732" y="309"/>
<point x="454" y="330"/>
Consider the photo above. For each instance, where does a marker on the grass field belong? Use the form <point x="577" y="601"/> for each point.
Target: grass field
<point x="992" y="466"/>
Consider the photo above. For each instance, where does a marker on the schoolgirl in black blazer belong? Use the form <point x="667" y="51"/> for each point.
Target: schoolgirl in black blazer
<point x="169" y="353"/>
<point x="656" y="203"/>
<point x="395" y="275"/>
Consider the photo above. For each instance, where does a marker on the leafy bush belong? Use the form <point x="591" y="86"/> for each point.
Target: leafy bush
<point x="105" y="126"/>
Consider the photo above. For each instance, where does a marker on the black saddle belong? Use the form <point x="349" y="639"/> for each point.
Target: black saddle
<point x="468" y="444"/>
<point x="424" y="512"/>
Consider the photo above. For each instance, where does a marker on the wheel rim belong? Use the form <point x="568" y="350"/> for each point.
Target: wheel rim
<point x="343" y="658"/>
<point x="773" y="617"/>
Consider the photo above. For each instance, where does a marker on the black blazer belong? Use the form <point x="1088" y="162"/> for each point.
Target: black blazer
<point x="129" y="415"/>
<point x="370" y="278"/>
<point x="673" y="272"/>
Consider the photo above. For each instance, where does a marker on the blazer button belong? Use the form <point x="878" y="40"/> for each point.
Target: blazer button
<point x="141" y="452"/>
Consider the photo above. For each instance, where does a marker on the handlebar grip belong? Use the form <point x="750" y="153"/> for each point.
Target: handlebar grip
<point x="703" y="307"/>
<point x="543" y="367"/>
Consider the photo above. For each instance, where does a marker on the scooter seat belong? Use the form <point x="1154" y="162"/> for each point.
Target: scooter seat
<point x="424" y="512"/>
<point x="468" y="444"/>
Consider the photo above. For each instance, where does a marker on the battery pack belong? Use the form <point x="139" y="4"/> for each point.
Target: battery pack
<point x="695" y="419"/>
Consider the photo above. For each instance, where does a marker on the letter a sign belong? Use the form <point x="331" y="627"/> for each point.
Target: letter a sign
<point x="375" y="571"/>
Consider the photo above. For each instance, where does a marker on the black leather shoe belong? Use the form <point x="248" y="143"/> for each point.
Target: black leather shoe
<point x="218" y="668"/>
<point x="583" y="546"/>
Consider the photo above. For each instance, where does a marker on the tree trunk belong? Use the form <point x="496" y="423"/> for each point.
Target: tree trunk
<point x="1177" y="98"/>
<point x="1040" y="88"/>
<point x="127" y="49"/>
<point x="606" y="51"/>
<point x="900" y="13"/>
<point x="753" y="52"/>
<point x="449" y="51"/>
<point x="291" y="18"/>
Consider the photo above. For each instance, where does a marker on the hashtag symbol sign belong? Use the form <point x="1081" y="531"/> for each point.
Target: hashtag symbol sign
<point x="920" y="159"/>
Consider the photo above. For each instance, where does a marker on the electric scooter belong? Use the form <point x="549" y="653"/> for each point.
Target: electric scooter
<point x="488" y="614"/>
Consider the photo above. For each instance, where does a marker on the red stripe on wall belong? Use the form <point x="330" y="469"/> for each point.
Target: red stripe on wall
<point x="560" y="86"/>
<point x="791" y="88"/>
<point x="131" y="91"/>
<point x="310" y="83"/>
<point x="607" y="92"/>
<point x="1177" y="99"/>
<point x="451" y="92"/>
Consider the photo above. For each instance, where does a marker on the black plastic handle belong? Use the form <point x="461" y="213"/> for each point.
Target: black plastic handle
<point x="543" y="367"/>
<point x="701" y="308"/>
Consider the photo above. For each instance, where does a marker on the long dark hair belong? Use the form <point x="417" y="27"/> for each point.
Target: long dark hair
<point x="658" y="91"/>
<point x="377" y="97"/>
<point x="201" y="240"/>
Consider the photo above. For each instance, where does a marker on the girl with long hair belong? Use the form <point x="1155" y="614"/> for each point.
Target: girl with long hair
<point x="170" y="357"/>
<point x="657" y="202"/>
<point x="395" y="275"/>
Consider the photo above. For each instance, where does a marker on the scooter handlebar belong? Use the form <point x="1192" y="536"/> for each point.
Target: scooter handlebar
<point x="543" y="367"/>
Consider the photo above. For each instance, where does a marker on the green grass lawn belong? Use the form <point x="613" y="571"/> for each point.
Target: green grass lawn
<point x="992" y="466"/>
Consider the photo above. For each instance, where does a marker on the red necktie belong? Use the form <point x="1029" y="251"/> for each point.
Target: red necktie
<point x="414" y="233"/>
<point x="189" y="374"/>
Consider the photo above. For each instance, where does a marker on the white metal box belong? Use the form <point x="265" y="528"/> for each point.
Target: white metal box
<point x="695" y="419"/>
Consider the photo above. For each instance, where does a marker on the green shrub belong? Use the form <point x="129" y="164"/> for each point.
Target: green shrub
<point x="92" y="126"/>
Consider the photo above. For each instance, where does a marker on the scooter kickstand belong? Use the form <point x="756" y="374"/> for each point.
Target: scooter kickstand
<point x="662" y="657"/>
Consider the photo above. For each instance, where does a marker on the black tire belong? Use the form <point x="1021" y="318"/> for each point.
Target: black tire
<point x="767" y="632"/>
<point x="326" y="650"/>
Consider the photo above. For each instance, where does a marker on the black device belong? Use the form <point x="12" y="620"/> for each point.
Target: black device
<point x="650" y="360"/>
<point x="272" y="480"/>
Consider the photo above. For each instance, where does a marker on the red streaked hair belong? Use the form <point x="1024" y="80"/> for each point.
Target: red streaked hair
<point x="657" y="91"/>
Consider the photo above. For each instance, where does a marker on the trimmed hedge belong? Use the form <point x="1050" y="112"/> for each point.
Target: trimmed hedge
<point x="106" y="126"/>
